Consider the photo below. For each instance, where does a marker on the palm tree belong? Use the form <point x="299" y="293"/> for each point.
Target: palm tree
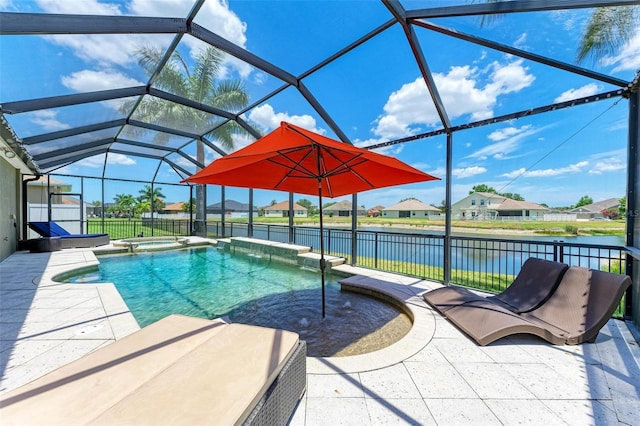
<point x="154" y="196"/>
<point x="186" y="207"/>
<point x="200" y="85"/>
<point x="608" y="29"/>
<point x="124" y="204"/>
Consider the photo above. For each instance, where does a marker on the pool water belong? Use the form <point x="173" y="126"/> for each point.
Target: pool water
<point x="210" y="283"/>
<point x="154" y="243"/>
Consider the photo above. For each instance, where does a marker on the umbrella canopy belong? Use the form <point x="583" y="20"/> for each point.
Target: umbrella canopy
<point x="293" y="159"/>
<point x="296" y="160"/>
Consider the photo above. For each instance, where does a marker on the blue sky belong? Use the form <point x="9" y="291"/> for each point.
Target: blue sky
<point x="375" y="93"/>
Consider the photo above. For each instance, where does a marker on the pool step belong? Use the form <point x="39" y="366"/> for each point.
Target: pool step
<point x="301" y="255"/>
<point x="313" y="260"/>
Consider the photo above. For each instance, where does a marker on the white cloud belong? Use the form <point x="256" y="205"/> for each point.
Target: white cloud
<point x="87" y="81"/>
<point x="120" y="159"/>
<point x="48" y="120"/>
<point x="617" y="153"/>
<point x="120" y="49"/>
<point x="570" y="20"/>
<point x="611" y="164"/>
<point x="508" y="132"/>
<point x="240" y="141"/>
<point x="84" y="7"/>
<point x="508" y="141"/>
<point x="103" y="49"/>
<point x="410" y="107"/>
<point x="628" y="59"/>
<point x="509" y="78"/>
<point x="164" y="8"/>
<point x="465" y="172"/>
<point x="93" y="162"/>
<point x="570" y="169"/>
<point x="265" y="117"/>
<point x="97" y="161"/>
<point x="581" y="92"/>
<point x="216" y="16"/>
<point x="520" y="42"/>
<point x="107" y="50"/>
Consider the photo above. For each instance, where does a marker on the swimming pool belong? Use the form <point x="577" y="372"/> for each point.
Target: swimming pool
<point x="211" y="283"/>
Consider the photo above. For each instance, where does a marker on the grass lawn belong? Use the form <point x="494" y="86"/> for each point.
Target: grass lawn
<point x="614" y="227"/>
<point x="123" y="228"/>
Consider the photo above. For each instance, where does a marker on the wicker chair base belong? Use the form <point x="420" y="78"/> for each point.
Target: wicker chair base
<point x="279" y="401"/>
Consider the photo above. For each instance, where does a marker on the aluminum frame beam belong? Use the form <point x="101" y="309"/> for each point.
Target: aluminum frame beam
<point x="177" y="167"/>
<point x="73" y="159"/>
<point x="58" y="152"/>
<point x="189" y="103"/>
<point x="137" y="154"/>
<point x="502" y="7"/>
<point x="399" y="13"/>
<point x="521" y="53"/>
<point x="29" y="105"/>
<point x="40" y="23"/>
<point x="47" y="137"/>
<point x="144" y="145"/>
<point x="162" y="129"/>
<point x="304" y="91"/>
<point x="506" y="117"/>
<point x="193" y="160"/>
<point x="233" y="49"/>
<point x="213" y="146"/>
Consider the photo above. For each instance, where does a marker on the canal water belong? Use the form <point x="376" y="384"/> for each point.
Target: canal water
<point x="615" y="240"/>
<point x="416" y="246"/>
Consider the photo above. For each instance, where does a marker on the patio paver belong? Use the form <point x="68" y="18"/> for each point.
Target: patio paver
<point x="446" y="379"/>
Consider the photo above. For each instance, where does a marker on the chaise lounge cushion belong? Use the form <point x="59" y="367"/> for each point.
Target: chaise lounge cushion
<point x="67" y="240"/>
<point x="583" y="302"/>
<point x="48" y="229"/>
<point x="179" y="370"/>
<point x="533" y="285"/>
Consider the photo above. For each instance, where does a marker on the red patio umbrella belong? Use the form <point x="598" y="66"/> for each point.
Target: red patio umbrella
<point x="296" y="160"/>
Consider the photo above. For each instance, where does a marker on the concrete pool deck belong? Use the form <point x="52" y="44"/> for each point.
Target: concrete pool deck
<point x="435" y="375"/>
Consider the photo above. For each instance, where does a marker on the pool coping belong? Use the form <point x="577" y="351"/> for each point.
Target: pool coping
<point x="400" y="289"/>
<point x="419" y="335"/>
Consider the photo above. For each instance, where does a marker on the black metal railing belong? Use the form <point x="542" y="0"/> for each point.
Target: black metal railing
<point x="129" y="228"/>
<point x="492" y="263"/>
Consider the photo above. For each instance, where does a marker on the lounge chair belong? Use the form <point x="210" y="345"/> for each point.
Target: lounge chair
<point x="533" y="285"/>
<point x="179" y="370"/>
<point x="67" y="240"/>
<point x="580" y="306"/>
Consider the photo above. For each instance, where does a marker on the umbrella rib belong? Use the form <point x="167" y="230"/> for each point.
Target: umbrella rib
<point x="296" y="166"/>
<point x="293" y="167"/>
<point x="346" y="167"/>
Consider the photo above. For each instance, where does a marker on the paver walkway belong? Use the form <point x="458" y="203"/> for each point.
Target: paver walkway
<point x="435" y="376"/>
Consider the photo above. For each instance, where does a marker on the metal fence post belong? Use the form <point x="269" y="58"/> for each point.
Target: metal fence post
<point x="375" y="255"/>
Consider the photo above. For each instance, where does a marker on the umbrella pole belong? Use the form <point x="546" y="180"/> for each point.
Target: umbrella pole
<point x="322" y="263"/>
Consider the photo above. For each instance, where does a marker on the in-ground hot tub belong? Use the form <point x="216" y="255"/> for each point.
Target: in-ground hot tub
<point x="152" y="243"/>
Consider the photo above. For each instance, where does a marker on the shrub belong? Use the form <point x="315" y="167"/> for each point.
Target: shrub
<point x="570" y="229"/>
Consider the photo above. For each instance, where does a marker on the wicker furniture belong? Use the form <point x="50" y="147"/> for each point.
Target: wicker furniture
<point x="179" y="370"/>
<point x="44" y="245"/>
